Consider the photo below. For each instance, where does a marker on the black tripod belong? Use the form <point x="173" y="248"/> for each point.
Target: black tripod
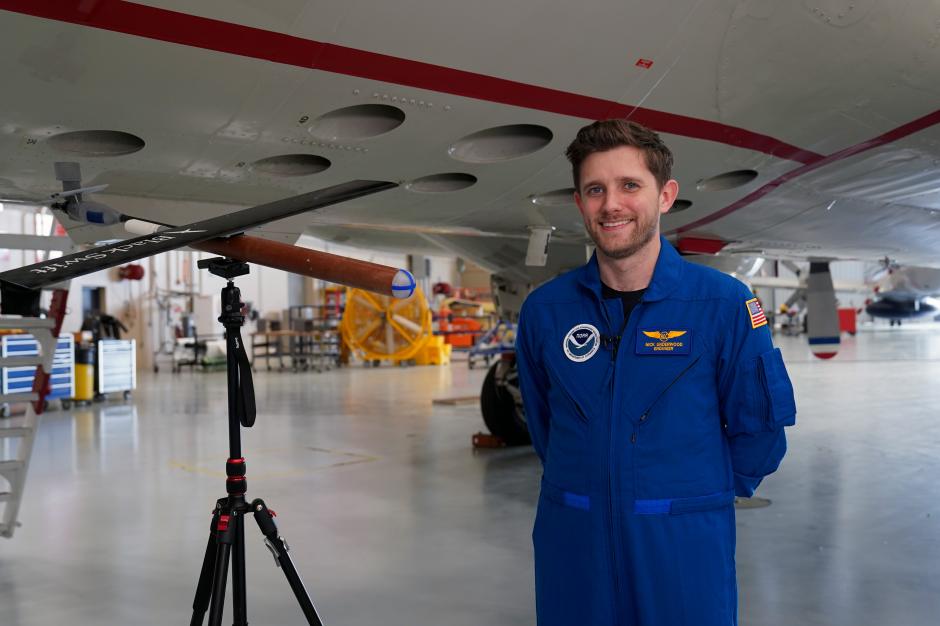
<point x="227" y="532"/>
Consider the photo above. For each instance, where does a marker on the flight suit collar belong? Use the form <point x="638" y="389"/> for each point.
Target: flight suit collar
<point x="666" y="275"/>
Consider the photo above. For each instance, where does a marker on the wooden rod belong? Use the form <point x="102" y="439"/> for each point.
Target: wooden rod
<point x="380" y="279"/>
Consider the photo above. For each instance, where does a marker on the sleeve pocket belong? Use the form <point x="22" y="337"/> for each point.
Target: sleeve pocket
<point x="777" y="389"/>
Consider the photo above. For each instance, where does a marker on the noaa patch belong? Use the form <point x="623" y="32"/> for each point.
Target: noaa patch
<point x="670" y="341"/>
<point x="581" y="343"/>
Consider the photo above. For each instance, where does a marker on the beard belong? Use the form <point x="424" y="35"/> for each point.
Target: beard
<point x="643" y="232"/>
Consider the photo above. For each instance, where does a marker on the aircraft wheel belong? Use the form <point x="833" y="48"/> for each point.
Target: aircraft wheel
<point x="501" y="406"/>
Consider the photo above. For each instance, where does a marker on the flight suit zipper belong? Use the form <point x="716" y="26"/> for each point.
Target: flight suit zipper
<point x="613" y="526"/>
<point x="612" y="518"/>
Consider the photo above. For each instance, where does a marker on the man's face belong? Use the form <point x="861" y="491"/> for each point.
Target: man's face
<point x="621" y="202"/>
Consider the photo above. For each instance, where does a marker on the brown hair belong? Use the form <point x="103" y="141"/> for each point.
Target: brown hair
<point x="606" y="135"/>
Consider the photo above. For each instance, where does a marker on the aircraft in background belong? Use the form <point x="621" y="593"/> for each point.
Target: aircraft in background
<point x="894" y="292"/>
<point x="803" y="131"/>
<point x="905" y="293"/>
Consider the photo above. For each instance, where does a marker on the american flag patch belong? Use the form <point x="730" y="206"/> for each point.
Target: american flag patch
<point x="754" y="309"/>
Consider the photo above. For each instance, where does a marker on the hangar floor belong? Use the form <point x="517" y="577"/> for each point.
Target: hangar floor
<point x="394" y="520"/>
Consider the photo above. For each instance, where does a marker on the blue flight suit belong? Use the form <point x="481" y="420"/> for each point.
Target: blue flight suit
<point x="645" y="440"/>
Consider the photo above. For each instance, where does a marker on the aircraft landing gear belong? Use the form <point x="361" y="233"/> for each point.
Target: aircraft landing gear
<point x="501" y="403"/>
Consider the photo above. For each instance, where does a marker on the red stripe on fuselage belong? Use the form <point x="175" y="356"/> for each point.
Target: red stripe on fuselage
<point x="892" y="135"/>
<point x="209" y="34"/>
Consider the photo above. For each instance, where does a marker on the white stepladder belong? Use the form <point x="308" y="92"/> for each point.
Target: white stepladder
<point x="17" y="434"/>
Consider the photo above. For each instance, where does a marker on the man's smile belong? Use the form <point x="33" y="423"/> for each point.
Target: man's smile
<point x="616" y="224"/>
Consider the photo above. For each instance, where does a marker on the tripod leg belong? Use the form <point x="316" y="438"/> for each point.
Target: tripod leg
<point x="239" y="602"/>
<point x="225" y="537"/>
<point x="204" y="588"/>
<point x="279" y="549"/>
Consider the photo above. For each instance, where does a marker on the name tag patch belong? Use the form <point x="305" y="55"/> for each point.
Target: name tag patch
<point x="662" y="342"/>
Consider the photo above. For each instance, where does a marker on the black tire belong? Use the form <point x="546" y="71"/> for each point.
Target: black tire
<point x="500" y="413"/>
<point x="66" y="404"/>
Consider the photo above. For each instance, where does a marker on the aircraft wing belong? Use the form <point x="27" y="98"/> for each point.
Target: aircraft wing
<point x="796" y="135"/>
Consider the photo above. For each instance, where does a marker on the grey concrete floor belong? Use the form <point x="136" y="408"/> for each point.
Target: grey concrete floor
<point x="393" y="519"/>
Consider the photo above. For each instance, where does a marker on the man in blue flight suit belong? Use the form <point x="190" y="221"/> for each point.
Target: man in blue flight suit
<point x="653" y="395"/>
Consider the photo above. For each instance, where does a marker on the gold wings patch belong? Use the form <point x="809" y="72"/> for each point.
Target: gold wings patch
<point x="664" y="335"/>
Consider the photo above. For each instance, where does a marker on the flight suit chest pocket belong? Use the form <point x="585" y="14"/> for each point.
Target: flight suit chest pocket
<point x="579" y="368"/>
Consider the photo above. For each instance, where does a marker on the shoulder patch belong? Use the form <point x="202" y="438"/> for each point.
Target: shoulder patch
<point x="756" y="313"/>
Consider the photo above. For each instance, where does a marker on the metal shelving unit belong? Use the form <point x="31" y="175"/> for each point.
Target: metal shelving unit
<point x="117" y="366"/>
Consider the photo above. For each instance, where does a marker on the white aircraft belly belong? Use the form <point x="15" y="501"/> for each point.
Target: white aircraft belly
<point x="880" y="202"/>
<point x="749" y="77"/>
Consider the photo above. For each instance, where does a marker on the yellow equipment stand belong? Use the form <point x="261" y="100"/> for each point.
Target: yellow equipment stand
<point x="434" y="352"/>
<point x="382" y="328"/>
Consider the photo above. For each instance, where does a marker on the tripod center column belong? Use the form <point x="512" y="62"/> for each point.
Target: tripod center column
<point x="236" y="484"/>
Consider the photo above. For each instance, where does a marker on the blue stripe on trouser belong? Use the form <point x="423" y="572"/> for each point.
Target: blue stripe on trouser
<point x="577" y="501"/>
<point x="567" y="498"/>
<point x="675" y="506"/>
<point x="665" y="506"/>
